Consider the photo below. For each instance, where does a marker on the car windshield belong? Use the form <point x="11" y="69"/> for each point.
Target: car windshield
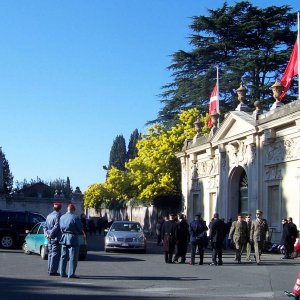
<point x="135" y="227"/>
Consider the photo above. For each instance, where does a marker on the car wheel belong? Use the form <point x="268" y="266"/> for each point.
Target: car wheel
<point x="44" y="255"/>
<point x="6" y="241"/>
<point x="25" y="248"/>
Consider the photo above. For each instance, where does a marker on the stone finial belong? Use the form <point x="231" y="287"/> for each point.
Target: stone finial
<point x="241" y="93"/>
<point x="258" y="109"/>
<point x="277" y="89"/>
<point x="198" y="126"/>
<point x="214" y="116"/>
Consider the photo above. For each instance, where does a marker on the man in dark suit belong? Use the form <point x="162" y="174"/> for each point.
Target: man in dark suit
<point x="217" y="231"/>
<point x="169" y="235"/>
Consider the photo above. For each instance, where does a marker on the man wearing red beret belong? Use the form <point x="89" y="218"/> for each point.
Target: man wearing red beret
<point x="53" y="235"/>
<point x="71" y="228"/>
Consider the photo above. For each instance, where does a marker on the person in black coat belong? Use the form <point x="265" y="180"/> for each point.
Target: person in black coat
<point x="182" y="239"/>
<point x="286" y="239"/>
<point x="198" y="238"/>
<point x="217" y="231"/>
<point x="293" y="232"/>
<point x="169" y="235"/>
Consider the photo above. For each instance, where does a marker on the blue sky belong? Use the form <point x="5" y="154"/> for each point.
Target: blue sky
<point x="75" y="74"/>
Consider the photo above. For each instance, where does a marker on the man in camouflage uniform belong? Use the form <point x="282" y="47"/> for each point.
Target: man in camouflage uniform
<point x="239" y="235"/>
<point x="259" y="233"/>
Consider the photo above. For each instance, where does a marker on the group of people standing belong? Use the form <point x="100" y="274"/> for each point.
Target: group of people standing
<point x="176" y="233"/>
<point x="62" y="233"/>
<point x="289" y="236"/>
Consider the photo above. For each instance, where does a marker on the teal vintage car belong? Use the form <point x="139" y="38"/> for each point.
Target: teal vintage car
<point x="36" y="242"/>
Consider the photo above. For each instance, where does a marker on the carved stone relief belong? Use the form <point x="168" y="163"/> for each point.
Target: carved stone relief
<point x="213" y="182"/>
<point x="208" y="167"/>
<point x="240" y="154"/>
<point x="273" y="172"/>
<point x="281" y="151"/>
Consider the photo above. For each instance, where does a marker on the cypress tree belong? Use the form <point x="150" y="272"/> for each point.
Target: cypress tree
<point x="132" y="151"/>
<point x="117" y="157"/>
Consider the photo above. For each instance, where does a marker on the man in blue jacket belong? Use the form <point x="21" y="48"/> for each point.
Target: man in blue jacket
<point x="71" y="228"/>
<point x="53" y="235"/>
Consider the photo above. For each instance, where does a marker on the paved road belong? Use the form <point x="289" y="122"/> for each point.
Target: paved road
<point x="111" y="276"/>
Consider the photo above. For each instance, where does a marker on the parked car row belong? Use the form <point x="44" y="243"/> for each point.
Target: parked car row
<point x="27" y="229"/>
<point x="13" y="224"/>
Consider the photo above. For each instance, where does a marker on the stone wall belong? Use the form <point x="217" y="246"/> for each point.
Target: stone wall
<point x="40" y="205"/>
<point x="147" y="216"/>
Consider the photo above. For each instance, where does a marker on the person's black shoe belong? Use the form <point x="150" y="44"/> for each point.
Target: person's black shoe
<point x="54" y="274"/>
<point x="73" y="276"/>
<point x="239" y="262"/>
<point x="220" y="263"/>
<point x="201" y="263"/>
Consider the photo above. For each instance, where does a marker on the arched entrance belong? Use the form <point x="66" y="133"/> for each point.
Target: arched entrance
<point x="238" y="192"/>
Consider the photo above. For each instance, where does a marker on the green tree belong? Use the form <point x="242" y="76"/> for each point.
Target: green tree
<point x="247" y="43"/>
<point x="8" y="178"/>
<point x="117" y="156"/>
<point x="132" y="151"/>
<point x="155" y="172"/>
<point x="94" y="196"/>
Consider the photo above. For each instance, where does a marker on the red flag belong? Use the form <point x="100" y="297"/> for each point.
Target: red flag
<point x="290" y="71"/>
<point x="213" y="104"/>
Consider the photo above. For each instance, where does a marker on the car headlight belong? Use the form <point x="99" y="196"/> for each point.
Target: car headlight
<point x="111" y="238"/>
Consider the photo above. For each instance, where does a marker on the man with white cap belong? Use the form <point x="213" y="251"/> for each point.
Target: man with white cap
<point x="71" y="228"/>
<point x="53" y="235"/>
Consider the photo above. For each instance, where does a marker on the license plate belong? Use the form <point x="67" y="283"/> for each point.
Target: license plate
<point x="124" y="245"/>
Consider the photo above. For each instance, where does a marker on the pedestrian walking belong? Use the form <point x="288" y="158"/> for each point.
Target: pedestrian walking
<point x="248" y="244"/>
<point x="158" y="229"/>
<point x="71" y="228"/>
<point x="217" y="232"/>
<point x="293" y="234"/>
<point x="198" y="238"/>
<point x="53" y="235"/>
<point x="182" y="239"/>
<point x="84" y="223"/>
<point x="100" y="225"/>
<point x="286" y="239"/>
<point x="259" y="233"/>
<point x="169" y="234"/>
<point x="239" y="235"/>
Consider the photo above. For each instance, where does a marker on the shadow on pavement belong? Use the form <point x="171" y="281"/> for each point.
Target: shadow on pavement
<point x="25" y="289"/>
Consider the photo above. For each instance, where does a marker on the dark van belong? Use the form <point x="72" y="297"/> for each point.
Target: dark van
<point x="14" y="223"/>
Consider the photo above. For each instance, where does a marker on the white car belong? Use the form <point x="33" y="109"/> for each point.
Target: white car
<point x="125" y="235"/>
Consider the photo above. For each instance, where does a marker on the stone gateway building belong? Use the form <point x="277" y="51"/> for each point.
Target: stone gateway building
<point x="252" y="161"/>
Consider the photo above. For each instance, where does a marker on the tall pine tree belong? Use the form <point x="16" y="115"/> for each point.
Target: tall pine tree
<point x="8" y="178"/>
<point x="132" y="151"/>
<point x="117" y="157"/>
<point x="248" y="44"/>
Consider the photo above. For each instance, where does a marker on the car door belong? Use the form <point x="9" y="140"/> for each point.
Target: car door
<point x="31" y="238"/>
<point x="40" y="238"/>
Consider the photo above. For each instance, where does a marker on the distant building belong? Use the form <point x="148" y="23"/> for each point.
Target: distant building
<point x="38" y="190"/>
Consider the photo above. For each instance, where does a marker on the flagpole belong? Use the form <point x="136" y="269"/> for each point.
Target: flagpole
<point x="218" y="106"/>
<point x="298" y="41"/>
